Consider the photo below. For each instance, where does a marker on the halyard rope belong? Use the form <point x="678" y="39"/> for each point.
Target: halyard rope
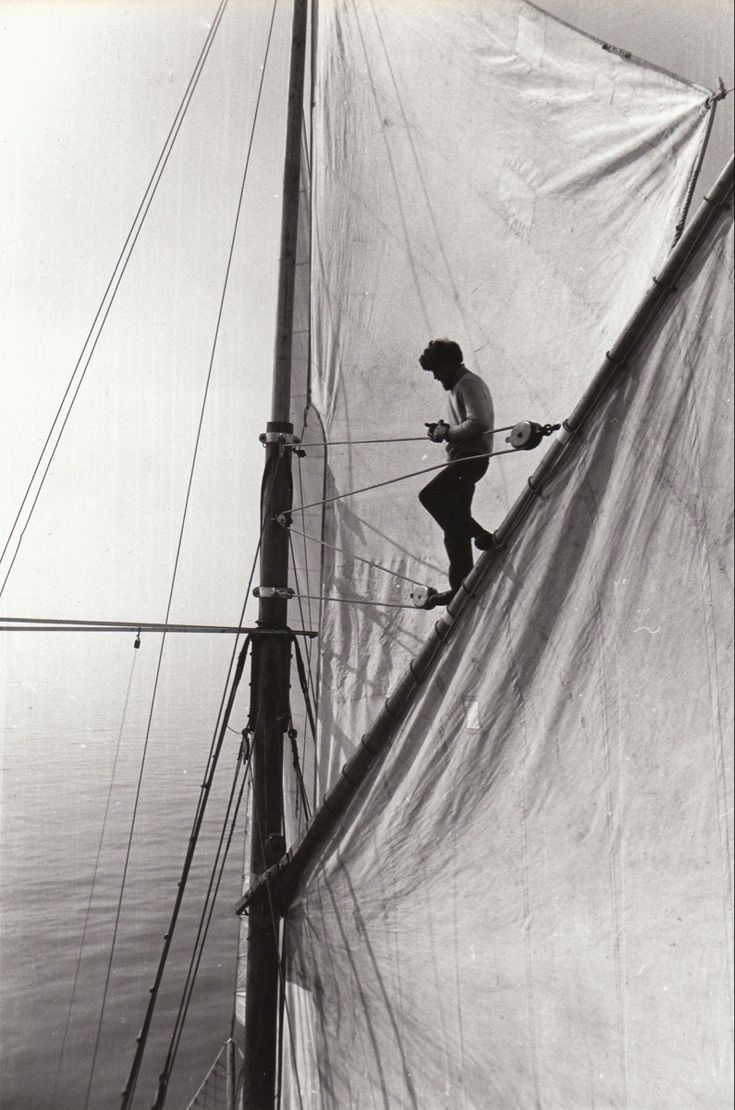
<point x="400" y="478"/>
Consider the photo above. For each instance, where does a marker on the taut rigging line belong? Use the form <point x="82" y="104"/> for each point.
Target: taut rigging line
<point x="206" y="787"/>
<point x="282" y="519"/>
<point x="113" y="284"/>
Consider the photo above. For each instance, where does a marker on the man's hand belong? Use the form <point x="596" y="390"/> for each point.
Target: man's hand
<point x="438" y="432"/>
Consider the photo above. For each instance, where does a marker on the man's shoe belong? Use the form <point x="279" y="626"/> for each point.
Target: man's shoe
<point x="435" y="599"/>
<point x="484" y="541"/>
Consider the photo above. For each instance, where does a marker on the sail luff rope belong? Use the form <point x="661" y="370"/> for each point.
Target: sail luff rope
<point x="299" y="597"/>
<point x="130" y="240"/>
<point x="360" y="558"/>
<point x="402" y="478"/>
<point x="308" y="584"/>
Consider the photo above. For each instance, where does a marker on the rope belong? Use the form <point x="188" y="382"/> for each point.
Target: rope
<point x="205" y="920"/>
<point x="309" y="662"/>
<point x="275" y="928"/>
<point x="129" y="1090"/>
<point x="304" y="687"/>
<point x="721" y="93"/>
<point x="298" y="595"/>
<point x="186" y="868"/>
<point x="402" y="478"/>
<point x="359" y="601"/>
<point x="360" y="558"/>
<point x="293" y="737"/>
<point x="400" y="439"/>
<point x="88" y="911"/>
<point x="115" y="279"/>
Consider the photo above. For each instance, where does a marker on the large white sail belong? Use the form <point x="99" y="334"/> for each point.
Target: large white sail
<point x="482" y="171"/>
<point x="530" y="903"/>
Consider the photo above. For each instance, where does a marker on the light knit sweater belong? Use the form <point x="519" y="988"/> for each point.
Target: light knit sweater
<point x="471" y="417"/>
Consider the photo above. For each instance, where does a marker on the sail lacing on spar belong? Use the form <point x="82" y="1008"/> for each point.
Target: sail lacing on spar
<point x="108" y="297"/>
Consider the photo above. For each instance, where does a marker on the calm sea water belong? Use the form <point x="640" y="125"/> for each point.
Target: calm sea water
<point x="70" y="750"/>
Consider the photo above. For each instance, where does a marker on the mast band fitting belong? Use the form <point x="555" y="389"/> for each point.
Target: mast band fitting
<point x="666" y="287"/>
<point x="564" y="435"/>
<point x="283" y="592"/>
<point x="285" y="438"/>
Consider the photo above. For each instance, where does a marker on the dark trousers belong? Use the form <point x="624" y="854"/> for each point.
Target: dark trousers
<point x="448" y="498"/>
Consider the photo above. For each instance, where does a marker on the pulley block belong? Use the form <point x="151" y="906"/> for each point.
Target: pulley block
<point x="527" y="434"/>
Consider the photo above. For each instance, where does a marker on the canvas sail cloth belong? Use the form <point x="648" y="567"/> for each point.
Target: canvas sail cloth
<point x="485" y="172"/>
<point x="529" y="903"/>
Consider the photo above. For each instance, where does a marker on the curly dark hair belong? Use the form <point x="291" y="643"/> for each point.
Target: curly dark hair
<point x="441" y="354"/>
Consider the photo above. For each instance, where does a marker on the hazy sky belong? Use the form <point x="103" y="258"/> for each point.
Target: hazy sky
<point x="89" y="90"/>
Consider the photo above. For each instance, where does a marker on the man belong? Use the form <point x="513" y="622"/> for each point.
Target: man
<point x="448" y="497"/>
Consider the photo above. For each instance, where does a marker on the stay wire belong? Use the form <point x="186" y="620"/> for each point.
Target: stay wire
<point x="205" y="789"/>
<point x="277" y="945"/>
<point x="88" y="911"/>
<point x="399" y="439"/>
<point x="133" y="1079"/>
<point x="130" y="1090"/>
<point x="115" y="280"/>
<point x="403" y="477"/>
<point x="205" y="921"/>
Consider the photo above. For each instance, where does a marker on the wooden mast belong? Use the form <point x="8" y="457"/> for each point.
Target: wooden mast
<point x="271" y="654"/>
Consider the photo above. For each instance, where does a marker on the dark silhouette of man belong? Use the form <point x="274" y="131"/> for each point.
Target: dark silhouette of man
<point x="448" y="497"/>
